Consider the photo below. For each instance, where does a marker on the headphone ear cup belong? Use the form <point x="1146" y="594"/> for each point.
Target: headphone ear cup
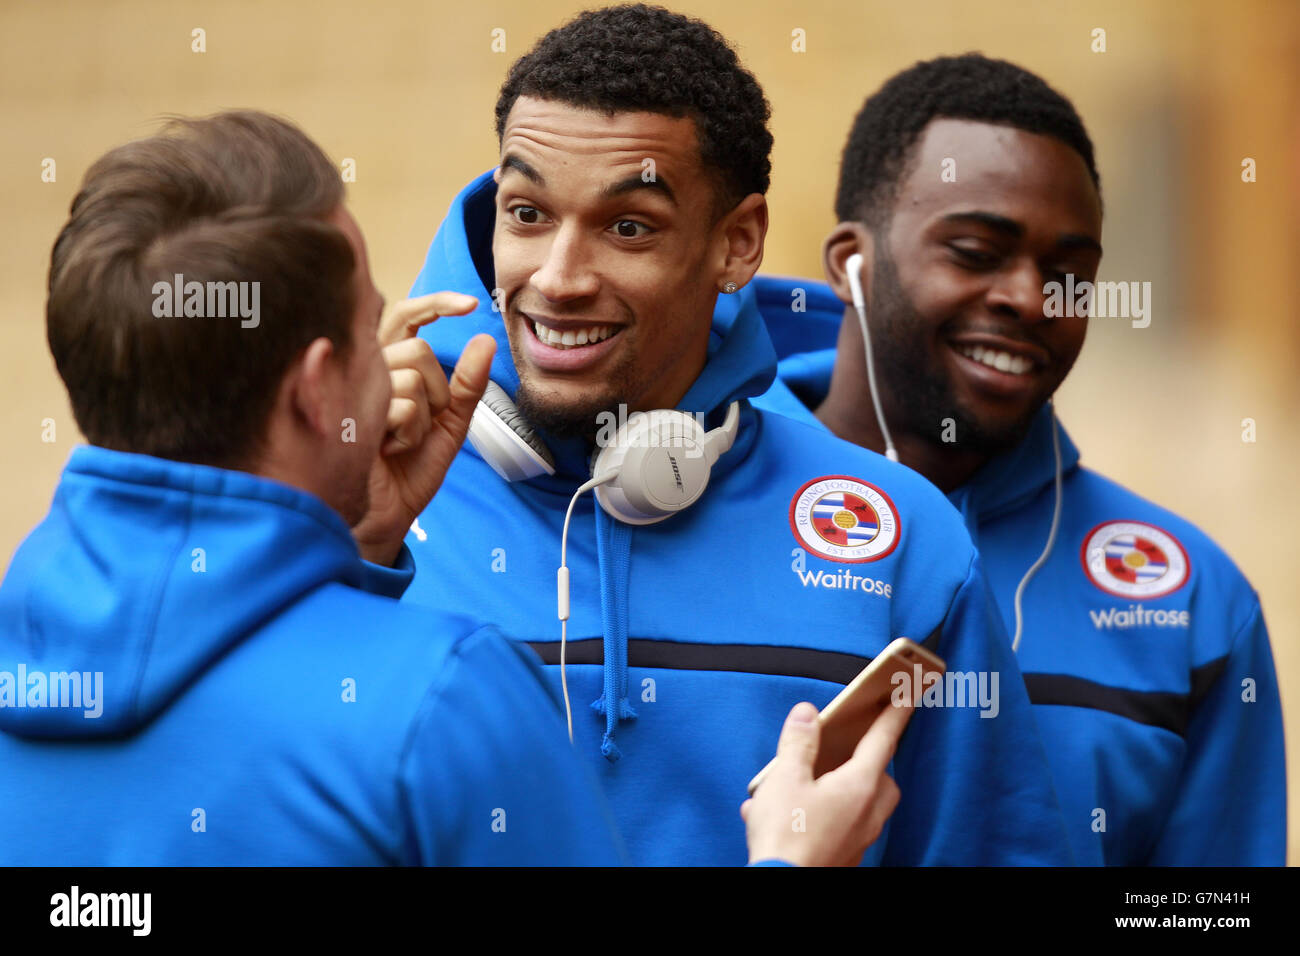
<point x="661" y="467"/>
<point x="499" y="403"/>
<point x="505" y="440"/>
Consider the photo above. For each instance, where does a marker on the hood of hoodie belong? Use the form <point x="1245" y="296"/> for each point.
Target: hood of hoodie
<point x="741" y="359"/>
<point x="176" y="564"/>
<point x="803" y="319"/>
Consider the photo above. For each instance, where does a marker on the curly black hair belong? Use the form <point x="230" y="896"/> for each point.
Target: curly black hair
<point x="971" y="86"/>
<point x="644" y="58"/>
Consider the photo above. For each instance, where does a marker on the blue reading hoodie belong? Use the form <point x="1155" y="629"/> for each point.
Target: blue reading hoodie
<point x="691" y="639"/>
<point x="1144" y="649"/>
<point x="191" y="673"/>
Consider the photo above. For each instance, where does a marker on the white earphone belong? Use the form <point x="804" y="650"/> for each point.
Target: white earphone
<point x="853" y="266"/>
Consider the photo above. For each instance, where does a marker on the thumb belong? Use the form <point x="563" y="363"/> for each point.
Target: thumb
<point x="800" y="740"/>
<point x="468" y="380"/>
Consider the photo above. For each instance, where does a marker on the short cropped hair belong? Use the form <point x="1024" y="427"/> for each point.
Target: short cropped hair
<point x="236" y="197"/>
<point x="972" y="87"/>
<point x="639" y="58"/>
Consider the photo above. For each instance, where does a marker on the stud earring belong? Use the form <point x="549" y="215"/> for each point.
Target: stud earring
<point x="729" y="288"/>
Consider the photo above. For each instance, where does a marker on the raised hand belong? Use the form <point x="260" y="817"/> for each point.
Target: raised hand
<point x="428" y="418"/>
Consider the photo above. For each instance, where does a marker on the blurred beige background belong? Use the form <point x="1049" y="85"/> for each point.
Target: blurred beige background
<point x="1184" y="92"/>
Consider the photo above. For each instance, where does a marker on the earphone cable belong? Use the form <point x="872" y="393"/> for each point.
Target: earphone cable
<point x="1051" y="535"/>
<point x="853" y="269"/>
<point x="562" y="589"/>
<point x="890" y="451"/>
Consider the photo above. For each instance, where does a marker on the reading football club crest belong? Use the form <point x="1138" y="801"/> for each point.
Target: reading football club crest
<point x="1134" y="560"/>
<point x="844" y="519"/>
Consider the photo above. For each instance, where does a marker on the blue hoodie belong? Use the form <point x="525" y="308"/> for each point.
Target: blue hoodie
<point x="1144" y="649"/>
<point x="691" y="639"/>
<point x="239" y="699"/>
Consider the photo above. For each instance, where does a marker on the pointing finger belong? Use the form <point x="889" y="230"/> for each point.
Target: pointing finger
<point x="403" y="319"/>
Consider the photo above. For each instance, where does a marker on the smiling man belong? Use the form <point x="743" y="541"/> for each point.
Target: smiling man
<point x="1143" y="647"/>
<point x="630" y="194"/>
<point x="648" y="236"/>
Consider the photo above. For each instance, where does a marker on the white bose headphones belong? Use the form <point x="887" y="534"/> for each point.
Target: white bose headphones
<point x="657" y="464"/>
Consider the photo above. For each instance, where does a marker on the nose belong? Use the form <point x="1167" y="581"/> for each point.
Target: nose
<point x="1017" y="291"/>
<point x="567" y="272"/>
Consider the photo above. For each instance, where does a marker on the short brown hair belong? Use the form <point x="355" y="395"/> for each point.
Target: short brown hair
<point x="240" y="196"/>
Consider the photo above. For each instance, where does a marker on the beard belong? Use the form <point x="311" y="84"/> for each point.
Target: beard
<point x="560" y="418"/>
<point x="922" y="392"/>
<point x="546" y="410"/>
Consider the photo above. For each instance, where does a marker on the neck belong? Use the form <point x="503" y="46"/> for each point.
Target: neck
<point x="291" y="459"/>
<point x="849" y="414"/>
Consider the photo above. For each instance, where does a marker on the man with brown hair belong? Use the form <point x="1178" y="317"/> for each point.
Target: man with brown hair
<point x="196" y="665"/>
<point x="242" y="699"/>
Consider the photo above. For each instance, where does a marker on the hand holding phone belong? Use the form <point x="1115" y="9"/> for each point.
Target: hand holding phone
<point x="847" y="718"/>
<point x="832" y="820"/>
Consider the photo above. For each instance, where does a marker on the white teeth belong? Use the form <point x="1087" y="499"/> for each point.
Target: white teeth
<point x="1002" y="361"/>
<point x="572" y="338"/>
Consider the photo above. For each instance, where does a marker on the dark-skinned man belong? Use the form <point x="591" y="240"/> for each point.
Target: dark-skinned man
<point x="629" y="193"/>
<point x="1142" y="646"/>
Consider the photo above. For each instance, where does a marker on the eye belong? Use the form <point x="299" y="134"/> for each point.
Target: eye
<point x="529" y="215"/>
<point x="974" y="257"/>
<point x="628" y="229"/>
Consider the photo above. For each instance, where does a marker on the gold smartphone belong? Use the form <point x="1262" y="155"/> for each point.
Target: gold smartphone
<point x="847" y="718"/>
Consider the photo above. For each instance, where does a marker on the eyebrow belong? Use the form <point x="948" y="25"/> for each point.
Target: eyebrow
<point x="613" y="191"/>
<point x="635" y="182"/>
<point x="512" y="161"/>
<point x="1014" y="230"/>
<point x="1072" y="240"/>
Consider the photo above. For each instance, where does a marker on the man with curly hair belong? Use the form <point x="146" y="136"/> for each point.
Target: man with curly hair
<point x="1143" y="647"/>
<point x="630" y="192"/>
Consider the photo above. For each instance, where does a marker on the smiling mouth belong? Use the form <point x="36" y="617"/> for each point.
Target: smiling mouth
<point x="573" y="338"/>
<point x="997" y="359"/>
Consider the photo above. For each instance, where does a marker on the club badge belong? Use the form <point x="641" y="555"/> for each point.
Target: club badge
<point x="843" y="519"/>
<point x="1134" y="560"/>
